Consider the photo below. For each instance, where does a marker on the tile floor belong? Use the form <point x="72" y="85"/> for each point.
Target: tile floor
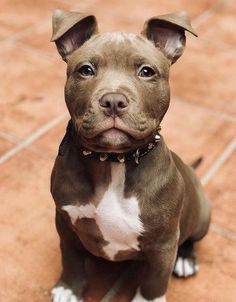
<point x="201" y="120"/>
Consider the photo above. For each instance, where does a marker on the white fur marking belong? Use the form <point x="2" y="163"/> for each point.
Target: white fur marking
<point x="139" y="298"/>
<point x="88" y="211"/>
<point x="61" y="294"/>
<point x="116" y="216"/>
<point x="183" y="267"/>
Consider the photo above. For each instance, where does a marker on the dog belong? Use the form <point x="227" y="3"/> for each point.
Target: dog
<point x="119" y="192"/>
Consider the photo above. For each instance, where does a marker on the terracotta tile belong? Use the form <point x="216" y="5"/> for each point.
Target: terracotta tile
<point x="29" y="244"/>
<point x="102" y="275"/>
<point x="5" y="145"/>
<point x="113" y="15"/>
<point x="216" y="279"/>
<point x="19" y="15"/>
<point x="49" y="142"/>
<point x="110" y="19"/>
<point x="39" y="37"/>
<point x="204" y="75"/>
<point x="32" y="90"/>
<point x="220" y="27"/>
<point x="193" y="135"/>
<point x="4" y="31"/>
<point x="214" y="282"/>
<point x="222" y="191"/>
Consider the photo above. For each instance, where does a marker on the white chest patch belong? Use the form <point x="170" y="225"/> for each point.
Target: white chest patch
<point x="117" y="217"/>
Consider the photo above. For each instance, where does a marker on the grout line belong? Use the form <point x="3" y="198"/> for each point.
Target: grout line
<point x="222" y="231"/>
<point x="13" y="139"/>
<point x="119" y="283"/>
<point x="9" y="137"/>
<point x="42" y="153"/>
<point x="219" y="44"/>
<point x="39" y="24"/>
<point x="208" y="13"/>
<point x="225" y="116"/>
<point x="19" y="34"/>
<point x="34" y="136"/>
<point x="231" y="147"/>
<point x="43" y="54"/>
<point x="36" y="51"/>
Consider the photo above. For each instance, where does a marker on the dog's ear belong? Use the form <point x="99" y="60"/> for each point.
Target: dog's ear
<point x="168" y="33"/>
<point x="71" y="30"/>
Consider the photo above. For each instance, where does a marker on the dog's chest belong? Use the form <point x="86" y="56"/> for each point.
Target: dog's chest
<point x="112" y="227"/>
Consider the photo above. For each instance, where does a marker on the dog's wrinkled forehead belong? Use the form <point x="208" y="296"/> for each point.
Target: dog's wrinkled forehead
<point x="118" y="48"/>
<point x="116" y="37"/>
<point x="120" y="40"/>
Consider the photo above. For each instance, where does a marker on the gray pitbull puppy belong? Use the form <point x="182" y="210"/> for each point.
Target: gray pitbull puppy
<point x="120" y="193"/>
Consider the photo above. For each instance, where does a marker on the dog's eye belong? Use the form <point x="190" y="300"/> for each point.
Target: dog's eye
<point x="86" y="71"/>
<point x="146" y="72"/>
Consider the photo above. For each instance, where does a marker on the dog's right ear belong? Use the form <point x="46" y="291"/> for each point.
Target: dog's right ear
<point x="167" y="32"/>
<point x="71" y="30"/>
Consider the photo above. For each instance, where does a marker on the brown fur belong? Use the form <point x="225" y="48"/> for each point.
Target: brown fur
<point x="173" y="205"/>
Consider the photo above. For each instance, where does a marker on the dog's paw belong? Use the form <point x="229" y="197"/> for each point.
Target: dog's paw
<point x="63" y="294"/>
<point x="185" y="267"/>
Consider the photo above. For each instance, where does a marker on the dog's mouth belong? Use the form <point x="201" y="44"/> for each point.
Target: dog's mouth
<point x="115" y="136"/>
<point x="115" y="127"/>
<point x="110" y="140"/>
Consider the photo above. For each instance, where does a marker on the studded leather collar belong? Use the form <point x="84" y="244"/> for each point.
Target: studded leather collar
<point x="113" y="157"/>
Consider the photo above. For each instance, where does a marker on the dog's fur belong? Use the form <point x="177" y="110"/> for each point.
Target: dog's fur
<point x="117" y="93"/>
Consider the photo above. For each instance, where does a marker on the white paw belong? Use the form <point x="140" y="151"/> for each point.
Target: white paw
<point x="62" y="294"/>
<point x="139" y="298"/>
<point x="185" y="267"/>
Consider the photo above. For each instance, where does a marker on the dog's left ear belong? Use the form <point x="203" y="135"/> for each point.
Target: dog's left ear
<point x="168" y="33"/>
<point x="71" y="30"/>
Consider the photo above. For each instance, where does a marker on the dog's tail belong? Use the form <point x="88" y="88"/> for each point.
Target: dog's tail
<point x="196" y="162"/>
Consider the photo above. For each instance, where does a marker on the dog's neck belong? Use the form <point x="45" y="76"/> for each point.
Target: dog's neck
<point x="133" y="155"/>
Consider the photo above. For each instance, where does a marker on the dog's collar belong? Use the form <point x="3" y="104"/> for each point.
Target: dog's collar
<point x="123" y="157"/>
<point x="113" y="157"/>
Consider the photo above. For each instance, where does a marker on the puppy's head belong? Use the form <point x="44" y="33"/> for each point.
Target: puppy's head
<point x="117" y="89"/>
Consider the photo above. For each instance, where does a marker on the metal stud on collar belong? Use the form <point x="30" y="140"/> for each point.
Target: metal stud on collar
<point x="121" y="158"/>
<point x="87" y="152"/>
<point x="103" y="157"/>
<point x="150" y="146"/>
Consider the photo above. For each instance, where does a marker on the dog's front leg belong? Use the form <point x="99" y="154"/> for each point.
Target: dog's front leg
<point x="72" y="282"/>
<point x="158" y="269"/>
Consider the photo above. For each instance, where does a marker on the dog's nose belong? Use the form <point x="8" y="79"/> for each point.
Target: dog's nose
<point x="113" y="103"/>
